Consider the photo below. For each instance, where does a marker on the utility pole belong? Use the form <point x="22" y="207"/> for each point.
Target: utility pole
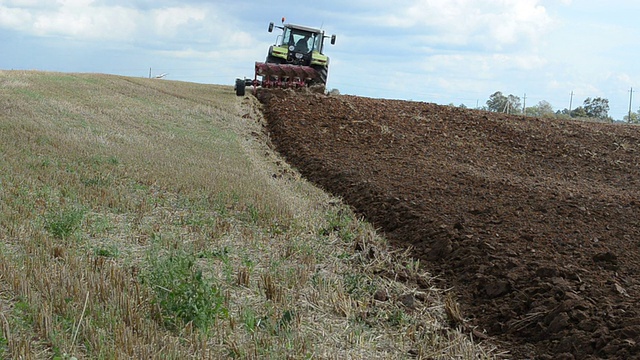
<point x="506" y="107"/>
<point x="571" y="102"/>
<point x="524" y="105"/>
<point x="630" y="98"/>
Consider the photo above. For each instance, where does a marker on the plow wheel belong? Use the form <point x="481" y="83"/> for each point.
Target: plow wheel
<point x="240" y="87"/>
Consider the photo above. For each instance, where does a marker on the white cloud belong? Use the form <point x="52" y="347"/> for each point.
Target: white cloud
<point x="13" y="18"/>
<point x="167" y="21"/>
<point x="177" y="27"/>
<point x="494" y="24"/>
<point x="73" y="18"/>
<point x="82" y="21"/>
<point x="23" y="3"/>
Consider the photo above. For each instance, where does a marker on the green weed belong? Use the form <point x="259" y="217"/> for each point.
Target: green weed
<point x="398" y="317"/>
<point x="3" y="346"/>
<point x="64" y="223"/>
<point x="250" y="320"/>
<point x="358" y="285"/>
<point x="339" y="222"/>
<point x="98" y="181"/>
<point x="221" y="254"/>
<point x="98" y="224"/>
<point x="182" y="294"/>
<point x="107" y="251"/>
<point x="23" y="312"/>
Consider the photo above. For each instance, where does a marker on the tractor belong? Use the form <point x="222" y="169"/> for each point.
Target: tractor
<point x="296" y="60"/>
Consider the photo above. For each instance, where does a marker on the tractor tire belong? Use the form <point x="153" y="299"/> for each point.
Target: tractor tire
<point x="324" y="72"/>
<point x="240" y="87"/>
<point x="321" y="81"/>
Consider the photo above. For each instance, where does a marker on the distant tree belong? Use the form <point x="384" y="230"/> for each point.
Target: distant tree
<point x="597" y="108"/>
<point x="531" y="111"/>
<point x="633" y="120"/>
<point x="578" y="112"/>
<point x="463" y="106"/>
<point x="563" y="114"/>
<point x="543" y="108"/>
<point x="514" y="106"/>
<point x="498" y="102"/>
<point x="635" y="117"/>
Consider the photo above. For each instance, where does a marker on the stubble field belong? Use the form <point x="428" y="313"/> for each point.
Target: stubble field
<point x="151" y="219"/>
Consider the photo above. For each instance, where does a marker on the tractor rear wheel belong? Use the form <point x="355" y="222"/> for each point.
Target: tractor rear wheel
<point x="324" y="72"/>
<point x="321" y="81"/>
<point x="240" y="87"/>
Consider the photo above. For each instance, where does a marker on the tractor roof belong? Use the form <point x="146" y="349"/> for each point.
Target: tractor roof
<point x="304" y="28"/>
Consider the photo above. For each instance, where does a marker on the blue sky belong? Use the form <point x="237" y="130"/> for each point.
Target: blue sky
<point x="442" y="51"/>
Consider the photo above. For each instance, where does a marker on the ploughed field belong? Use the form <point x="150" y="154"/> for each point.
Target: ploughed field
<point x="533" y="223"/>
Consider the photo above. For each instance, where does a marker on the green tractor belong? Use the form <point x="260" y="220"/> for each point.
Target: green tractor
<point x="296" y="60"/>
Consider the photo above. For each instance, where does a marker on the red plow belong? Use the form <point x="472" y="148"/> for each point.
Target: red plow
<point x="283" y="76"/>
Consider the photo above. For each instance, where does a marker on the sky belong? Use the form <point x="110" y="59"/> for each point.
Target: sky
<point x="440" y="51"/>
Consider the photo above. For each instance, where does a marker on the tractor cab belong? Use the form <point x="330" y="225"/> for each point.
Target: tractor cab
<point x="298" y="45"/>
<point x="301" y="40"/>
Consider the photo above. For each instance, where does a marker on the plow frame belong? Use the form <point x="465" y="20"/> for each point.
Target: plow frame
<point x="283" y="75"/>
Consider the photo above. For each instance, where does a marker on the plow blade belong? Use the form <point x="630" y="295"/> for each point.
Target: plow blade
<point x="284" y="75"/>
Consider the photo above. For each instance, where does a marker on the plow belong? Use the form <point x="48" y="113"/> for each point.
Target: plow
<point x="295" y="61"/>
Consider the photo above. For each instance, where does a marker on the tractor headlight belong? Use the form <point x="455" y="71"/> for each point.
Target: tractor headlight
<point x="291" y="48"/>
<point x="299" y="56"/>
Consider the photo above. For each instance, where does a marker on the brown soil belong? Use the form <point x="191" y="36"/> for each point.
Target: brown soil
<point x="533" y="222"/>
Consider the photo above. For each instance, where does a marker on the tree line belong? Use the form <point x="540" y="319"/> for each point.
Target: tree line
<point x="593" y="108"/>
